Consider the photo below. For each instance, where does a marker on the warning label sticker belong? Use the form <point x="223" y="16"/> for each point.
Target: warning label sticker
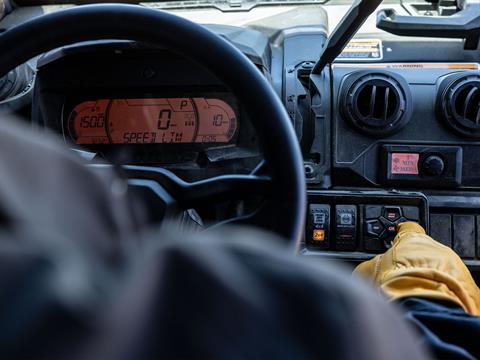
<point x="414" y="66"/>
<point x="363" y="50"/>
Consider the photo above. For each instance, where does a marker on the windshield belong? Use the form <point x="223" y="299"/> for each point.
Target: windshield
<point x="269" y="15"/>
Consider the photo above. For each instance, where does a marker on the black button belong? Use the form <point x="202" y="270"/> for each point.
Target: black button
<point x="373" y="211"/>
<point x="391" y="213"/>
<point x="391" y="229"/>
<point x="346" y="227"/>
<point x="375" y="228"/>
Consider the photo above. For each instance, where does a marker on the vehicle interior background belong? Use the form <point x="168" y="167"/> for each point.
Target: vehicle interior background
<point x="389" y="131"/>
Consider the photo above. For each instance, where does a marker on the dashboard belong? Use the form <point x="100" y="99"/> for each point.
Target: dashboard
<point x="390" y="132"/>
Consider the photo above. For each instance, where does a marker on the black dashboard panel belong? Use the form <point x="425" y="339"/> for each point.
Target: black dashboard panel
<point x="127" y="70"/>
<point x="362" y="156"/>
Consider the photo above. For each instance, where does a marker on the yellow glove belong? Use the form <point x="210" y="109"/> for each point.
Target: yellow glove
<point x="417" y="265"/>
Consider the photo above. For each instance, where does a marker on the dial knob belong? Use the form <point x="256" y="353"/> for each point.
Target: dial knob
<point x="433" y="165"/>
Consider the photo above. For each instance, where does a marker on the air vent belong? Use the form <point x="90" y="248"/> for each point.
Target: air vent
<point x="460" y="105"/>
<point x="376" y="104"/>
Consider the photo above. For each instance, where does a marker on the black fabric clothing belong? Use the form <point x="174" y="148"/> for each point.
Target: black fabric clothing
<point x="447" y="330"/>
<point x="232" y="294"/>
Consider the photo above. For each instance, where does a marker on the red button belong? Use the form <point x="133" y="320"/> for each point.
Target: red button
<point x="392" y="213"/>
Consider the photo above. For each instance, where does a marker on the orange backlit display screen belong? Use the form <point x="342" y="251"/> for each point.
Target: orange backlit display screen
<point x="152" y="121"/>
<point x="405" y="163"/>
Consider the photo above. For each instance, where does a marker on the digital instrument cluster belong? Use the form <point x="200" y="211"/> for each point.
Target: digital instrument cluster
<point x="166" y="120"/>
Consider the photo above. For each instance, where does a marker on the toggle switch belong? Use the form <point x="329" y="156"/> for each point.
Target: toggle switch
<point x="346" y="227"/>
<point x="319" y="226"/>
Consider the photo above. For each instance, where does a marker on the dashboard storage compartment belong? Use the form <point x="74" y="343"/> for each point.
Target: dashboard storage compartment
<point x="459" y="230"/>
<point x="464" y="230"/>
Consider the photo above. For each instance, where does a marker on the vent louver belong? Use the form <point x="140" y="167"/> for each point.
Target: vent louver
<point x="376" y="104"/>
<point x="460" y="105"/>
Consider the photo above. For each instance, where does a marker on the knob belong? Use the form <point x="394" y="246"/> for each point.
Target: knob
<point x="433" y="165"/>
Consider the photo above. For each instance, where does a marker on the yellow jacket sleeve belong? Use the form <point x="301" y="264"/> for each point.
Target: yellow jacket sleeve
<point x="417" y="265"/>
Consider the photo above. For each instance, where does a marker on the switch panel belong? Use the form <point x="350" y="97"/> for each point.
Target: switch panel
<point x="353" y="224"/>
<point x="319" y="226"/>
<point x="346" y="227"/>
<point x="381" y="224"/>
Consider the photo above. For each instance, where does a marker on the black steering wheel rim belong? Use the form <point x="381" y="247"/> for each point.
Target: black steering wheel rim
<point x="132" y="22"/>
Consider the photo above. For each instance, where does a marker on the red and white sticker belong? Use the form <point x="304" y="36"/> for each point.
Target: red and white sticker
<point x="404" y="163"/>
<point x="362" y="50"/>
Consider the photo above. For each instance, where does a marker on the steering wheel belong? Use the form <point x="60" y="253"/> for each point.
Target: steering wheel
<point x="284" y="209"/>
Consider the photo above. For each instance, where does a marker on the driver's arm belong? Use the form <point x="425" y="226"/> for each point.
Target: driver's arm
<point x="435" y="288"/>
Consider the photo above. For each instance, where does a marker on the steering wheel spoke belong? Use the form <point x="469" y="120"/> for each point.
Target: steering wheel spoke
<point x="191" y="194"/>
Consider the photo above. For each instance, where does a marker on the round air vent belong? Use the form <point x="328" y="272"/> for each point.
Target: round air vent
<point x="460" y="105"/>
<point x="376" y="104"/>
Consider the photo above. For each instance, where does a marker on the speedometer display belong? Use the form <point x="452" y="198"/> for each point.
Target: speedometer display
<point x="152" y="121"/>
